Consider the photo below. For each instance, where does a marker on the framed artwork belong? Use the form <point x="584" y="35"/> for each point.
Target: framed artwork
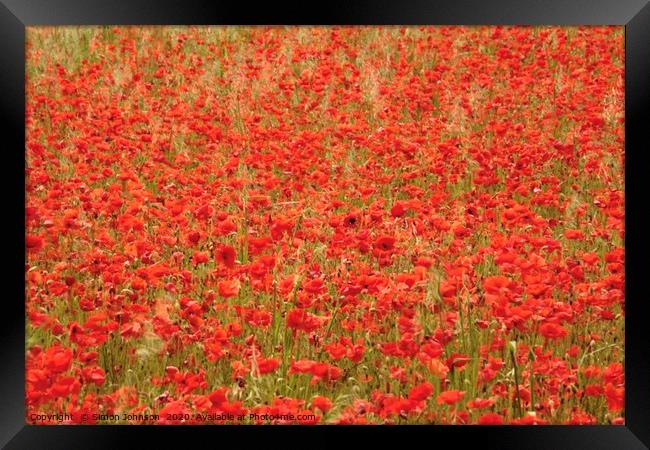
<point x="364" y="218"/>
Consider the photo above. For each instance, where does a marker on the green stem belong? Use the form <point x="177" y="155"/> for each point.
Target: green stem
<point x="514" y="364"/>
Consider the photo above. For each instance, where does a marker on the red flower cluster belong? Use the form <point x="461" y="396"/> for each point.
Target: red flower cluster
<point x="325" y="225"/>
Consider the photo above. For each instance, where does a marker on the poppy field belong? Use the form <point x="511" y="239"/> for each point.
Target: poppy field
<point x="324" y="225"/>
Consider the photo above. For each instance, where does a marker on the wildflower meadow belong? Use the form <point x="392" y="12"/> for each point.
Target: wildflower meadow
<point x="325" y="225"/>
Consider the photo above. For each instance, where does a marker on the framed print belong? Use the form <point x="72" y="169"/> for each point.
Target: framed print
<point x="372" y="219"/>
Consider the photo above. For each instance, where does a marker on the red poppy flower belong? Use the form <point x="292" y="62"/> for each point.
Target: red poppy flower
<point x="574" y="234"/>
<point x="420" y="392"/>
<point x="33" y="243"/>
<point x="228" y="288"/>
<point x="552" y="331"/>
<point x="315" y="286"/>
<point x="398" y="209"/>
<point x="450" y="397"/>
<point x="322" y="403"/>
<point x="480" y="403"/>
<point x="385" y="243"/>
<point x="267" y="365"/>
<point x="225" y="254"/>
<point x="615" y="397"/>
<point x="302" y="320"/>
<point x="58" y="359"/>
<point x="351" y="219"/>
<point x="302" y="366"/>
<point x="490" y="419"/>
<point x="200" y="257"/>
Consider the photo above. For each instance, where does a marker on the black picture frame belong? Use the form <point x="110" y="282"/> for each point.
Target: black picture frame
<point x="15" y="15"/>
